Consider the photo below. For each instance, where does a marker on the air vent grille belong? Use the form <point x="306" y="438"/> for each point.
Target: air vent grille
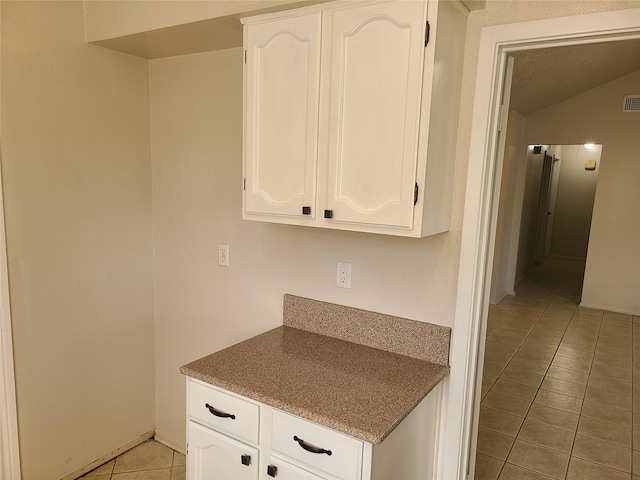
<point x="631" y="103"/>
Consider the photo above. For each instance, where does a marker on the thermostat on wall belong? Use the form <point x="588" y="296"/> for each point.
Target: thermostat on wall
<point x="590" y="165"/>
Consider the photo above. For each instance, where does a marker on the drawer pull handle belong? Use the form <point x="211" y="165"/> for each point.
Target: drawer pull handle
<point x="310" y="448"/>
<point x="219" y="413"/>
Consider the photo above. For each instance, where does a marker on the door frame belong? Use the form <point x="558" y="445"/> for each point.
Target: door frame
<point x="9" y="447"/>
<point x="9" y="444"/>
<point x="480" y="211"/>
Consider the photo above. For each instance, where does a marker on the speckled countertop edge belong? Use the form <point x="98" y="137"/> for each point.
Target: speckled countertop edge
<point x="345" y="402"/>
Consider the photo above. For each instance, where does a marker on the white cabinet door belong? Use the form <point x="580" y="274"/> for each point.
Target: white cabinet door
<point x="213" y="456"/>
<point x="282" y="470"/>
<point x="376" y="63"/>
<point x="282" y="79"/>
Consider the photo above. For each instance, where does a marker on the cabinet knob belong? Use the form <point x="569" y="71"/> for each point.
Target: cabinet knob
<point x="328" y="214"/>
<point x="272" y="470"/>
<point x="306" y="210"/>
<point x="245" y="459"/>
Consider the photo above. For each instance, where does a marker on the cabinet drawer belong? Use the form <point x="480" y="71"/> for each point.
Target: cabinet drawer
<point x="309" y="443"/>
<point x="223" y="411"/>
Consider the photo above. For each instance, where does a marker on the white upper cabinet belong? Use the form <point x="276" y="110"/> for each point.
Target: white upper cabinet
<point x="339" y="102"/>
<point x="281" y="115"/>
<point x="375" y="88"/>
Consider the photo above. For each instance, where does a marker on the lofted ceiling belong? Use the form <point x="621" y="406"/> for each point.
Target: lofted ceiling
<point x="547" y="76"/>
<point x="209" y="34"/>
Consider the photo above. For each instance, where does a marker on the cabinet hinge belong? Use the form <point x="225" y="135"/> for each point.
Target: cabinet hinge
<point x="415" y="194"/>
<point x="244" y="184"/>
<point x="245" y="56"/>
<point x="426" y="33"/>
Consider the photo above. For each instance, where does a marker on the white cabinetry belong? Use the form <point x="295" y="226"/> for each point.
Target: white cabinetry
<point x="339" y="102"/>
<point x="285" y="447"/>
<point x="213" y="455"/>
<point x="283" y="470"/>
<point x="222" y="435"/>
<point x="281" y="115"/>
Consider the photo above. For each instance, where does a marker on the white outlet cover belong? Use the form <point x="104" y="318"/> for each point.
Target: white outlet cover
<point x="343" y="279"/>
<point x="223" y="255"/>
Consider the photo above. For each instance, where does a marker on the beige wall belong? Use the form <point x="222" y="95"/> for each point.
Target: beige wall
<point x="75" y="132"/>
<point x="574" y="201"/>
<point x="76" y="179"/>
<point x="201" y="307"/>
<point x="196" y="105"/>
<point x="612" y="276"/>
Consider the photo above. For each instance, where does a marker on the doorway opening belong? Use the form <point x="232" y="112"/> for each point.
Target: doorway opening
<point x="556" y="200"/>
<point x="480" y="209"/>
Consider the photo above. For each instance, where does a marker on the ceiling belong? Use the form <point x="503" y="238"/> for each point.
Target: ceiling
<point x="547" y="76"/>
<point x="206" y="35"/>
<point x="541" y="77"/>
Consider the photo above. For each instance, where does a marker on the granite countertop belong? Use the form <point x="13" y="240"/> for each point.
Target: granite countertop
<point x="356" y="389"/>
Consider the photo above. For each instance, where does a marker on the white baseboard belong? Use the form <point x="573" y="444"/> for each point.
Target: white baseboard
<point x="609" y="308"/>
<point x="171" y="442"/>
<point x="109" y="456"/>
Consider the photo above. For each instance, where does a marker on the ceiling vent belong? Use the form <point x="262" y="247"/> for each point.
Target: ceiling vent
<point x="631" y="103"/>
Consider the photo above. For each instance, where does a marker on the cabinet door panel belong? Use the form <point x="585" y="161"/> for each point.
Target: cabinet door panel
<point x="282" y="89"/>
<point x="287" y="471"/>
<point x="212" y="456"/>
<point x="376" y="80"/>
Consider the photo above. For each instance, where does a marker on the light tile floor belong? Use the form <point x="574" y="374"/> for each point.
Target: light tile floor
<point x="561" y="385"/>
<point x="150" y="460"/>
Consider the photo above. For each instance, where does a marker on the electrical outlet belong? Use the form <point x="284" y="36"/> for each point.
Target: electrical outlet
<point x="344" y="275"/>
<point x="223" y="255"/>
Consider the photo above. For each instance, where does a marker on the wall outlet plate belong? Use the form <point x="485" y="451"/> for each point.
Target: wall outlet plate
<point x="344" y="275"/>
<point x="223" y="254"/>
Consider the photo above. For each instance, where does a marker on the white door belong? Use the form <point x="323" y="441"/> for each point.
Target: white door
<point x="544" y="211"/>
<point x="213" y="456"/>
<point x="282" y="79"/>
<point x="376" y="63"/>
<point x="281" y="470"/>
<point x="551" y="207"/>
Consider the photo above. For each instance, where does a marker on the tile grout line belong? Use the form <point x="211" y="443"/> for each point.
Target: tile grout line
<point x="575" y="435"/>
<point x="548" y="301"/>
<point x="545" y="376"/>
<point x="537" y="390"/>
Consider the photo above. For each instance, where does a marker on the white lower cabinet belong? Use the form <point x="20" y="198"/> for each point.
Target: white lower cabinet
<point x="316" y="447"/>
<point x="232" y="437"/>
<point x="213" y="455"/>
<point x="283" y="470"/>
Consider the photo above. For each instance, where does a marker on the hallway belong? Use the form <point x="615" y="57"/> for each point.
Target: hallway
<point x="558" y="393"/>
